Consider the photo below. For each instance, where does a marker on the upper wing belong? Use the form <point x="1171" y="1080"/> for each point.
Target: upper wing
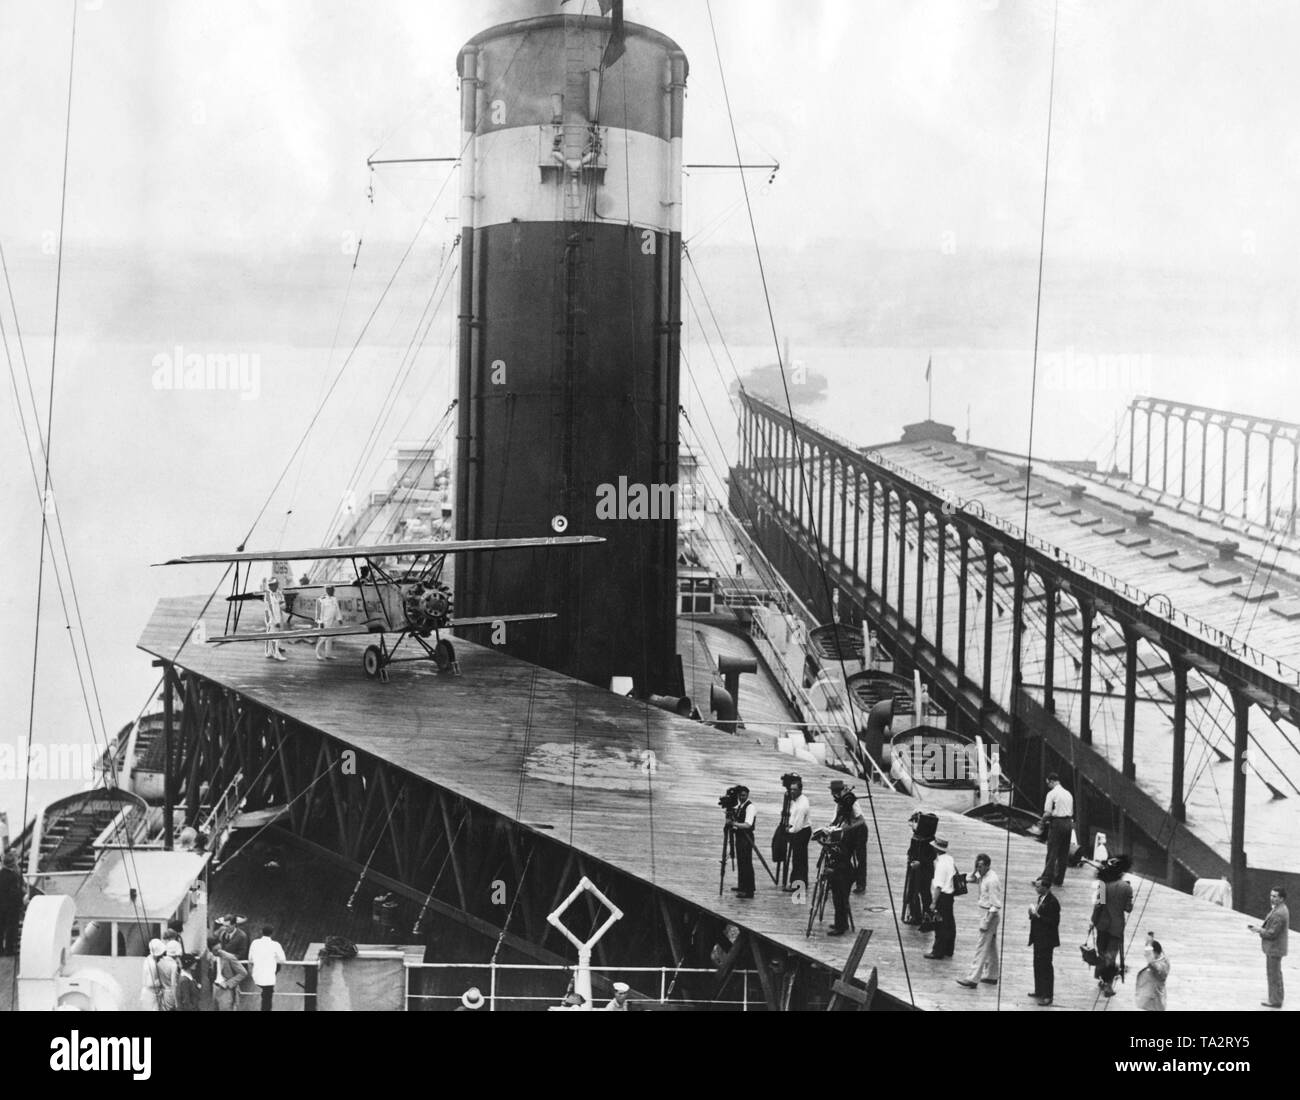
<point x="393" y="550"/>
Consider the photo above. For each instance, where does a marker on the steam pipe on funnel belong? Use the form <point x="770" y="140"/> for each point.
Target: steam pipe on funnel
<point x="675" y="704"/>
<point x="872" y="739"/>
<point x="724" y="706"/>
<point x="731" y="668"/>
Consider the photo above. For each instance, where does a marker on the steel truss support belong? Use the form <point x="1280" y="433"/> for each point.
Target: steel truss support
<point x="444" y="854"/>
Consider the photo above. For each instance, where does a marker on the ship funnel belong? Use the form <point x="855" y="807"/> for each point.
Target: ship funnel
<point x="674" y="704"/>
<point x="724" y="706"/>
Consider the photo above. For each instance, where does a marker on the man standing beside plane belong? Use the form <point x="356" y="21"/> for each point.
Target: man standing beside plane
<point x="327" y="615"/>
<point x="273" y="617"/>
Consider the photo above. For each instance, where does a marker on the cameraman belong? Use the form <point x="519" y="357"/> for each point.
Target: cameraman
<point x="741" y="820"/>
<point x="841" y="839"/>
<point x="798" y="832"/>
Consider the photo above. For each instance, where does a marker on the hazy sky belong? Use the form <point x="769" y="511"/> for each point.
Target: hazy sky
<point x="205" y="125"/>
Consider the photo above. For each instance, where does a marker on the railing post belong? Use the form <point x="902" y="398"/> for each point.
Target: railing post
<point x="492" y="986"/>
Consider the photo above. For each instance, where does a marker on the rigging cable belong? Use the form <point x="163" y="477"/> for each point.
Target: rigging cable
<point x="137" y="900"/>
<point x="803" y="481"/>
<point x="1017" y="688"/>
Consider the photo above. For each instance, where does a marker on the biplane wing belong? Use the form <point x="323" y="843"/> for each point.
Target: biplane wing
<point x="371" y="628"/>
<point x="391" y="550"/>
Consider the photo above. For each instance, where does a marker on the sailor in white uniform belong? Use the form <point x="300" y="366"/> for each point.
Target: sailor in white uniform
<point x="273" y="617"/>
<point x="327" y="615"/>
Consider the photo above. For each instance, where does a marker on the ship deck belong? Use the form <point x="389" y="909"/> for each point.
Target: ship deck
<point x="562" y="757"/>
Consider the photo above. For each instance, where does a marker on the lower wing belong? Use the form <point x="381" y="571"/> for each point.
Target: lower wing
<point x="370" y="628"/>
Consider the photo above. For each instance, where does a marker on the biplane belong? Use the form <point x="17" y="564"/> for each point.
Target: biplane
<point x="407" y="603"/>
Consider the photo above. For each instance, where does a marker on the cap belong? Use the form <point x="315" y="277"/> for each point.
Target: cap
<point x="156" y="948"/>
<point x="472" y="998"/>
<point x="622" y="987"/>
<point x="939" y="843"/>
<point x="837" y="784"/>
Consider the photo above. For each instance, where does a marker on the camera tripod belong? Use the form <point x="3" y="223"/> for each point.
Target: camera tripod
<point x="821" y="888"/>
<point x="783" y="865"/>
<point x="729" y="849"/>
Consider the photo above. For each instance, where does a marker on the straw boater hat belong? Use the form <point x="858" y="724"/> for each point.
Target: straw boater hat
<point x="472" y="998"/>
<point x="939" y="844"/>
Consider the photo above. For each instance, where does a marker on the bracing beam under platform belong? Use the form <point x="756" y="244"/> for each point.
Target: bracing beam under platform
<point x="444" y="855"/>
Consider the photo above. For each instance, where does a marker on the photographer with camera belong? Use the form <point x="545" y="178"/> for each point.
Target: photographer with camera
<point x="841" y="840"/>
<point x="741" y="819"/>
<point x="797" y="830"/>
<point x="920" y="868"/>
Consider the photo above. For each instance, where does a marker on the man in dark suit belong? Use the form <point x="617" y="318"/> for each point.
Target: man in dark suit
<point x="1044" y="938"/>
<point x="1272" y="937"/>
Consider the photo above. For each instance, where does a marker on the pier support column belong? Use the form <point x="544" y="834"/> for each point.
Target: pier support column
<point x="828" y="536"/>
<point x="1049" y="652"/>
<point x="1017" y="641"/>
<point x="901" y="569"/>
<point x="990" y="588"/>
<point x="1177" y="807"/>
<point x="1182" y="491"/>
<point x="941" y="543"/>
<point x="1241" y="742"/>
<point x="1130" y="699"/>
<point x="169" y="756"/>
<point x="1087" y="615"/>
<point x="920" y="575"/>
<point x="844" y="512"/>
<point x="871" y="535"/>
<point x="884" y="550"/>
<point x="963" y="583"/>
<point x="857" y="521"/>
<point x="821" y="492"/>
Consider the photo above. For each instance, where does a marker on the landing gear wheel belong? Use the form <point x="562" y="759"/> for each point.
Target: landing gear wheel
<point x="372" y="661"/>
<point x="444" y="655"/>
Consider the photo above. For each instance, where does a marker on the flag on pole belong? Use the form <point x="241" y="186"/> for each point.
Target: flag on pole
<point x="615" y="48"/>
<point x="928" y="364"/>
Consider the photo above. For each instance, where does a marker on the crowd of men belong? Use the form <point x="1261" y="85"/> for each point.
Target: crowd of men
<point x="174" y="980"/>
<point x="933" y="884"/>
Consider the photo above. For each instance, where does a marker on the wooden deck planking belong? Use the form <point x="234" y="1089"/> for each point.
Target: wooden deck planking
<point x="468" y="734"/>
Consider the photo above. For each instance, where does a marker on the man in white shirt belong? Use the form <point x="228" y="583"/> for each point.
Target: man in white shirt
<point x="327" y="615"/>
<point x="273" y="618"/>
<point x="1058" y="820"/>
<point x="986" y="968"/>
<point x="945" y="870"/>
<point x="798" y="832"/>
<point x="265" y="957"/>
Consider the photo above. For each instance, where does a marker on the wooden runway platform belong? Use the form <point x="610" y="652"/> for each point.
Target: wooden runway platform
<point x="568" y="760"/>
